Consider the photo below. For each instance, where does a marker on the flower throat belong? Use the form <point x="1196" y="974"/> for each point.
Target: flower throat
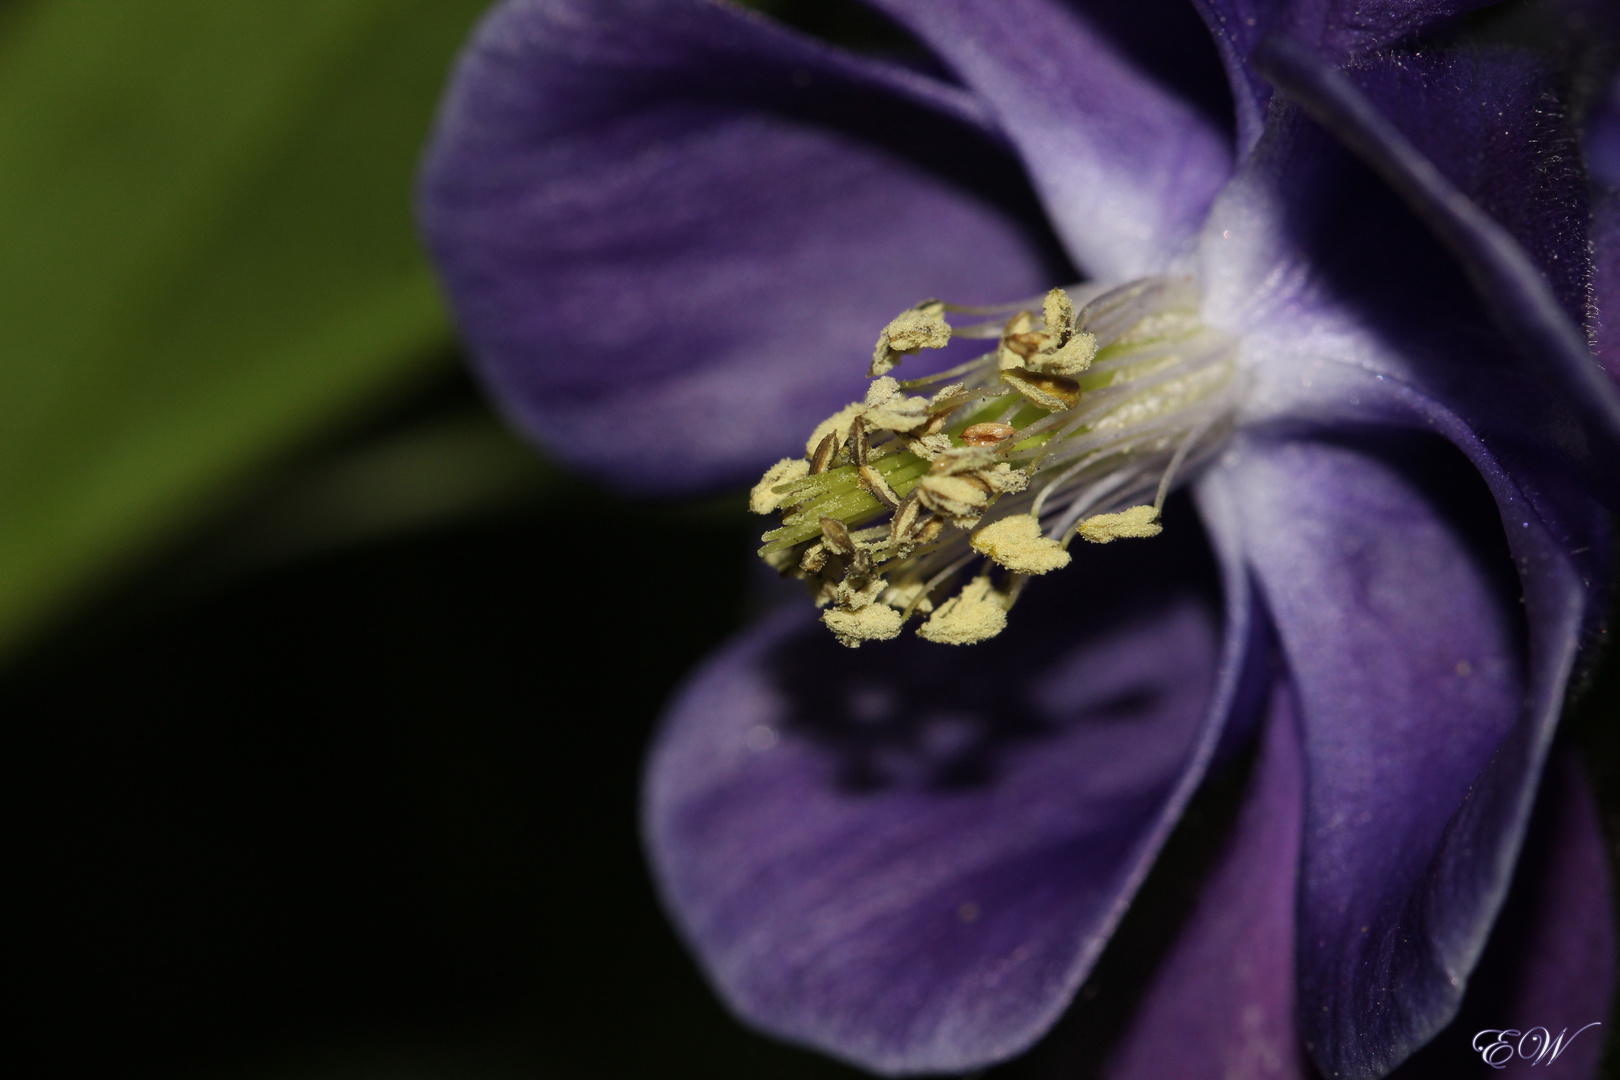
<point x="1076" y="424"/>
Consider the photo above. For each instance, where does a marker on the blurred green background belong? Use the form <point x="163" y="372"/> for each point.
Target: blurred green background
<point x="302" y="789"/>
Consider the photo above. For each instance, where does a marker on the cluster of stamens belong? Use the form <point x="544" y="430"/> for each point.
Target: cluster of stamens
<point x="1064" y="429"/>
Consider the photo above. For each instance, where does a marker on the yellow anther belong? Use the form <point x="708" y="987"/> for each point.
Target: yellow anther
<point x="1017" y="543"/>
<point x="974" y="614"/>
<point x="921" y="327"/>
<point x="762" y="500"/>
<point x="874" y="622"/>
<point x="1138" y="522"/>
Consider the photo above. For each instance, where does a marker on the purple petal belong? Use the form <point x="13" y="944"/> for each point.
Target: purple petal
<point x="672" y="230"/>
<point x="1507" y="278"/>
<point x="909" y="856"/>
<point x="1126" y="169"/>
<point x="1550" y="961"/>
<point x="1221" y="1006"/>
<point x="1426" y="717"/>
<point x="1603" y="164"/>
<point x="1337" y="30"/>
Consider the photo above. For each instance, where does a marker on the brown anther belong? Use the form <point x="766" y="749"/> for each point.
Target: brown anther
<point x="984" y="435"/>
<point x="860" y="567"/>
<point x="905" y="519"/>
<point x="928" y="532"/>
<point x="1026" y="344"/>
<point x="825" y="449"/>
<point x="836" y="536"/>
<point x="857" y="441"/>
<point x="1051" y="392"/>
<point x="873" y="481"/>
<point x="814" y="558"/>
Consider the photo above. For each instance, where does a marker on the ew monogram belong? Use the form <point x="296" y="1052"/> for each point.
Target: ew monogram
<point x="1536" y="1045"/>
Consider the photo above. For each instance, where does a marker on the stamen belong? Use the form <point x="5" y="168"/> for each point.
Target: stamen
<point x="1107" y="405"/>
<point x="874" y="622"/>
<point x="1017" y="543"/>
<point x="985" y="435"/>
<point x="921" y="327"/>
<point x="976" y="613"/>
<point x="1135" y="523"/>
<point x="764" y="498"/>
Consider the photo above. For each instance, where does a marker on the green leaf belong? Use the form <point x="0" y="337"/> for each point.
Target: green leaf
<point x="206" y="254"/>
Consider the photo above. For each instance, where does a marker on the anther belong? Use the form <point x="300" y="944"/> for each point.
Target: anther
<point x="1051" y="392"/>
<point x="825" y="449"/>
<point x="905" y="518"/>
<point x="976" y="613"/>
<point x="874" y="622"/>
<point x="764" y="498"/>
<point x="837" y="537"/>
<point x="815" y="557"/>
<point x="857" y="442"/>
<point x="1137" y="522"/>
<point x="988" y="434"/>
<point x="921" y="327"/>
<point x="1017" y="543"/>
<point x="873" y="481"/>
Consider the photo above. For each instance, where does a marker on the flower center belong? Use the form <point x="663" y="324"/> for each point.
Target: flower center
<point x="1076" y="424"/>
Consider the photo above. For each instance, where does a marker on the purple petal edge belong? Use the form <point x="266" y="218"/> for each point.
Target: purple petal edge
<point x="1506" y="277"/>
<point x="671" y="229"/>
<point x="1221" y="1006"/>
<point x="1127" y="170"/>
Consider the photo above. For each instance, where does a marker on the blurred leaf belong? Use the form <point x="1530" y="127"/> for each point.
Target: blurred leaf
<point x="206" y="254"/>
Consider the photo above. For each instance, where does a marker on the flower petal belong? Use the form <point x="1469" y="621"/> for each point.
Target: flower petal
<point x="1127" y="170"/>
<point x="909" y="856"/>
<point x="1603" y="165"/>
<point x="672" y="230"/>
<point x="1550" y="963"/>
<point x="1426" y="718"/>
<point x="1506" y="276"/>
<point x="1337" y="30"/>
<point x="1221" y="1006"/>
<point x="1338" y="292"/>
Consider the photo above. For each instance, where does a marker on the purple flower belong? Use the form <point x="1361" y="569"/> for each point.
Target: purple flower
<point x="671" y="229"/>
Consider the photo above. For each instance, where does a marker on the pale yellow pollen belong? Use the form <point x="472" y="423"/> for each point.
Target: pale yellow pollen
<point x="955" y="497"/>
<point x="1135" y="523"/>
<point x="1058" y="311"/>
<point x="929" y="447"/>
<point x="849" y="598"/>
<point x="1017" y="543"/>
<point x="881" y="391"/>
<point x="838" y="423"/>
<point x="955" y="489"/>
<point x="974" y="614"/>
<point x="874" y="622"/>
<point x="887" y="409"/>
<point x="1004" y="479"/>
<point x="901" y="597"/>
<point x="1073" y="357"/>
<point x="921" y="327"/>
<point x="762" y="500"/>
